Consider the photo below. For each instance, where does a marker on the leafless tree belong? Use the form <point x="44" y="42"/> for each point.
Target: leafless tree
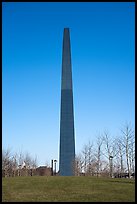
<point x="5" y="157"/>
<point x="79" y="164"/>
<point x="110" y="150"/>
<point x="88" y="158"/>
<point x="119" y="156"/>
<point x="14" y="163"/>
<point x="85" y="157"/>
<point x="28" y="160"/>
<point x="6" y="161"/>
<point x="20" y="158"/>
<point x="34" y="162"/>
<point x="132" y="156"/>
<point x="98" y="154"/>
<point x="128" y="144"/>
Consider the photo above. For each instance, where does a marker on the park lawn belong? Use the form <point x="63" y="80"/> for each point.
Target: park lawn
<point x="63" y="188"/>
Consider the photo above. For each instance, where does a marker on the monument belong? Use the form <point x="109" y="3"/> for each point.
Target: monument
<point x="67" y="138"/>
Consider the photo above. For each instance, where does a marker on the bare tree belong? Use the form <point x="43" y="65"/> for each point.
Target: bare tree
<point x="79" y="164"/>
<point x="88" y="158"/>
<point x="28" y="160"/>
<point x="6" y="161"/>
<point x="132" y="156"/>
<point x="34" y="162"/>
<point x="128" y="144"/>
<point x="5" y="158"/>
<point x="119" y="156"/>
<point x="85" y="156"/>
<point x="20" y="158"/>
<point x="14" y="163"/>
<point x="110" y="150"/>
<point x="98" y="154"/>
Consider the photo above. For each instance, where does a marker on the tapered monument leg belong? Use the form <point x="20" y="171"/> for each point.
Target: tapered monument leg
<point x="67" y="138"/>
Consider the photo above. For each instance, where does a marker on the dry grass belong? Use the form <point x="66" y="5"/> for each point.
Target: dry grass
<point x="62" y="189"/>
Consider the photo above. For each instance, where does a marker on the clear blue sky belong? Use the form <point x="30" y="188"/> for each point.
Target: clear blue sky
<point x="103" y="66"/>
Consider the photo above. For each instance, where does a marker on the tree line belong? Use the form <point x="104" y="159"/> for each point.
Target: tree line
<point x="13" y="163"/>
<point x="108" y="156"/>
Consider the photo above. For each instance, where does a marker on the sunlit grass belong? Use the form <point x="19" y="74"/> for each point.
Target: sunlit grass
<point x="42" y="188"/>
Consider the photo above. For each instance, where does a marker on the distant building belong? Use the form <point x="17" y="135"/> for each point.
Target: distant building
<point x="43" y="171"/>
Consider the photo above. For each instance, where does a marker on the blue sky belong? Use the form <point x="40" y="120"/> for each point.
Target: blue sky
<point x="103" y="67"/>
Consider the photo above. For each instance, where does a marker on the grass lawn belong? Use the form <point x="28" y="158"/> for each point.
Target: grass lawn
<point x="59" y="188"/>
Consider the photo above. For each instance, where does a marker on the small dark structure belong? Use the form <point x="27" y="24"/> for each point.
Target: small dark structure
<point x="44" y="171"/>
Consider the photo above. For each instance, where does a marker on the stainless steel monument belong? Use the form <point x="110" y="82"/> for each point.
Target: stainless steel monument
<point x="67" y="138"/>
